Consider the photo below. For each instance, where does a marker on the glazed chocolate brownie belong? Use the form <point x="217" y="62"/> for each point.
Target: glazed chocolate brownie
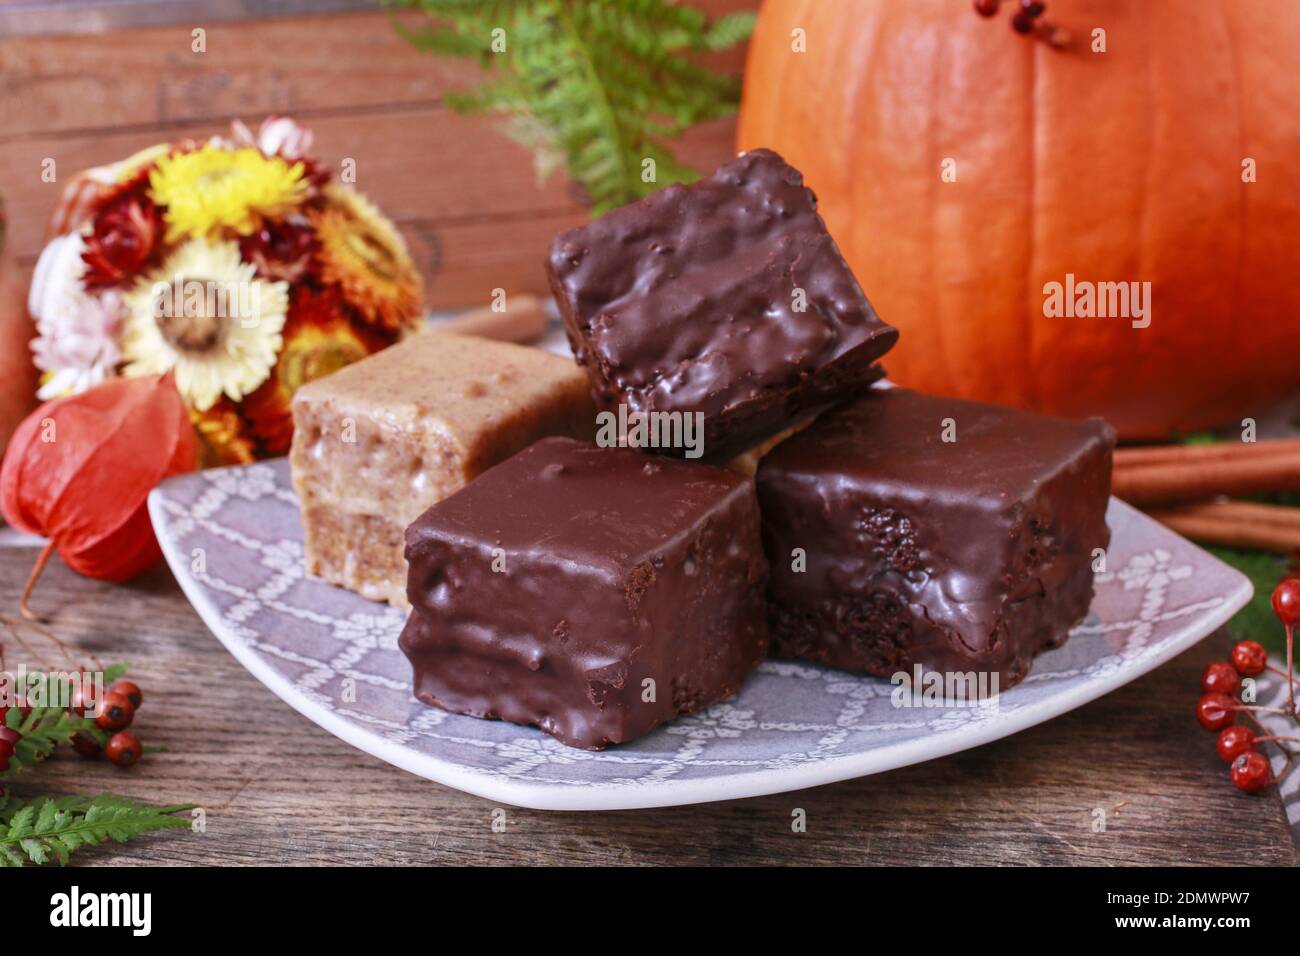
<point x="726" y="298"/>
<point x="593" y="592"/>
<point x="953" y="535"/>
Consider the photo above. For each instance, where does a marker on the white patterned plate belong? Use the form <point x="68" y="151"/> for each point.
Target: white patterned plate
<point x="233" y="539"/>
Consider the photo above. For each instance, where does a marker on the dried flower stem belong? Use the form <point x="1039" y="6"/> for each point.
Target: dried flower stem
<point x="23" y="607"/>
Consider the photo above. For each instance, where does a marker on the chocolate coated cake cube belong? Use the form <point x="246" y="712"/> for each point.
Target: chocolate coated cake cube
<point x="593" y="592"/>
<point x="953" y="535"/>
<point x="726" y="298"/>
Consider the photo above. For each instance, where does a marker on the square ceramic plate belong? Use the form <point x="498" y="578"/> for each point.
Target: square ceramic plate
<point x="234" y="541"/>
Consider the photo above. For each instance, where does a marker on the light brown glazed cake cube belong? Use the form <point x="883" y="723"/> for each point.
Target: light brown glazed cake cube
<point x="381" y="440"/>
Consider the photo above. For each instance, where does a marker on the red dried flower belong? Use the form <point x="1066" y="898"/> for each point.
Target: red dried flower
<point x="280" y="250"/>
<point x="126" y="233"/>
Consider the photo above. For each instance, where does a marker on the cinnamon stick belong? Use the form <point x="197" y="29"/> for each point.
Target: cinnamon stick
<point x="1235" y="524"/>
<point x="1178" y="474"/>
<point x="1218" y="451"/>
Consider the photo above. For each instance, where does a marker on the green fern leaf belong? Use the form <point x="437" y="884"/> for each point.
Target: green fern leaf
<point x="52" y="828"/>
<point x="444" y="42"/>
<point x="607" y="85"/>
<point x="114" y="672"/>
<point x="726" y="32"/>
<point x="44" y="729"/>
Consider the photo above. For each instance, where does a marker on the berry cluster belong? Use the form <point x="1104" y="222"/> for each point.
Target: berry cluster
<point x="112" y="715"/>
<point x="1220" y="702"/>
<point x="1027" y="19"/>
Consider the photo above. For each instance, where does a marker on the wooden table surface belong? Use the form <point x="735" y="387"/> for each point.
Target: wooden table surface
<point x="277" y="789"/>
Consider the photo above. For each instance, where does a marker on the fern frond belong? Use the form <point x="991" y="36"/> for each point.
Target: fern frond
<point x="530" y="133"/>
<point x="605" y="84"/>
<point x="493" y="96"/>
<point x="726" y="32"/>
<point x="52" y="828"/>
<point x="114" y="672"/>
<point x="662" y="17"/>
<point x="44" y="729"/>
<point x="444" y="42"/>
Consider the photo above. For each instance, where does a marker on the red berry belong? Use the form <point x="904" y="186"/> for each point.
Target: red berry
<point x="986" y="8"/>
<point x="1249" y="657"/>
<point x="1235" y="741"/>
<point x="1220" y="677"/>
<point x="86" y="745"/>
<point x="8" y="741"/>
<point x="1022" y="22"/>
<point x="123" y="749"/>
<point x="115" y="712"/>
<point x="130" y="689"/>
<point x="1215" y="711"/>
<point x="1286" y="602"/>
<point x="1251" y="772"/>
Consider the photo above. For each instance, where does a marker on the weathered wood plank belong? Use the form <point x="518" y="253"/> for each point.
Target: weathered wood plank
<point x="63" y="17"/>
<point x="151" y="78"/>
<point x="277" y="789"/>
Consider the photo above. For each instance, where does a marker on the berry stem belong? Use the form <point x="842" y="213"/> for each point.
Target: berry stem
<point x="1290" y="754"/>
<point x="54" y="639"/>
<point x="1290" y="667"/>
<point x="12" y="627"/>
<point x="1276" y="670"/>
<point x="1258" y="708"/>
<point x="1286" y="767"/>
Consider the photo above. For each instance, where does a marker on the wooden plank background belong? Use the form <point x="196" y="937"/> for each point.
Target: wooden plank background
<point x="62" y="17"/>
<point x="465" y="196"/>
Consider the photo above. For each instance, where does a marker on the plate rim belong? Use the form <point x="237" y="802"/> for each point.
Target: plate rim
<point x="668" y="793"/>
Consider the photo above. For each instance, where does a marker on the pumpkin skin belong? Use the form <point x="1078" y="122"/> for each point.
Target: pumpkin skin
<point x="1125" y="165"/>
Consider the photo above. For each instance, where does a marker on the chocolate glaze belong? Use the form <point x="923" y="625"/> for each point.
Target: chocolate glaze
<point x="971" y="555"/>
<point x="685" y="302"/>
<point x="618" y="567"/>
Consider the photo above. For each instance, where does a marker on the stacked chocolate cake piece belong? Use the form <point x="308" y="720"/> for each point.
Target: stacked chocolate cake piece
<point x="597" y="592"/>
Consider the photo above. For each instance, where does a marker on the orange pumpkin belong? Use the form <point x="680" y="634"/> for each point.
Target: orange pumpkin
<point x="1127" y="165"/>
